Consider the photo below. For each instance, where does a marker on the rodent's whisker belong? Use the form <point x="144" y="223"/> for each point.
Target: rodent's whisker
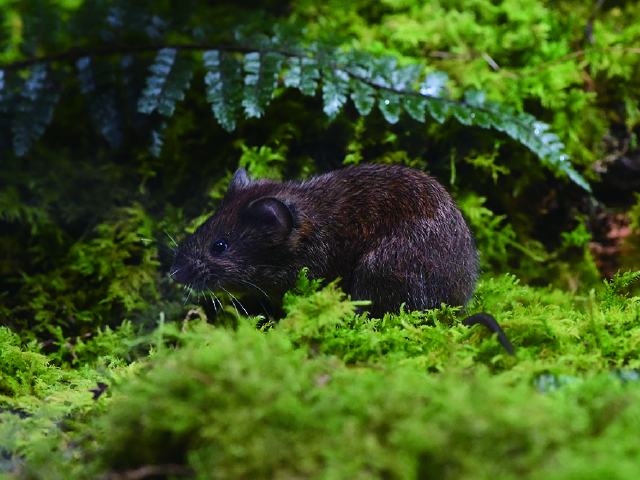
<point x="242" y="307"/>
<point x="246" y="282"/>
<point x="234" y="304"/>
<point x="215" y="307"/>
<point x="219" y="303"/>
<point x="235" y="308"/>
<point x="252" y="288"/>
<point x="190" y="289"/>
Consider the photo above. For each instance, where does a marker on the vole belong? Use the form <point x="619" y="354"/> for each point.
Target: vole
<point x="392" y="234"/>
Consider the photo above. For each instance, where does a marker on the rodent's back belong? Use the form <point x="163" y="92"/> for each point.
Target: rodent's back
<point x="392" y="234"/>
<point x="396" y="235"/>
<point x="372" y="198"/>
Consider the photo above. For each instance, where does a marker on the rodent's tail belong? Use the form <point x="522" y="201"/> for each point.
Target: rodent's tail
<point x="492" y="324"/>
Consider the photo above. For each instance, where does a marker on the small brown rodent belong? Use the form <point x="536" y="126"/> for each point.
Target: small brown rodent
<point x="392" y="234"/>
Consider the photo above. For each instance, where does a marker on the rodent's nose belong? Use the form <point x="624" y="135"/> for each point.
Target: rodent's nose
<point x="190" y="271"/>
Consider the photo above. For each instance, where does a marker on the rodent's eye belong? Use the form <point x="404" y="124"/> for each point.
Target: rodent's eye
<point x="219" y="247"/>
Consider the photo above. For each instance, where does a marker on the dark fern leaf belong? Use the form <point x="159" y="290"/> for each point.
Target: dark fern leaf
<point x="363" y="96"/>
<point x="247" y="79"/>
<point x="334" y="91"/>
<point x="133" y="74"/>
<point x="359" y="64"/>
<point x="293" y="76"/>
<point x="389" y="104"/>
<point x="309" y="76"/>
<point x="462" y="113"/>
<point x="406" y="77"/>
<point x="475" y="98"/>
<point x="98" y="85"/>
<point x="383" y="69"/>
<point x="157" y="139"/>
<point x="224" y="87"/>
<point x="170" y="77"/>
<point x="438" y="108"/>
<point x="433" y="88"/>
<point x="479" y="116"/>
<point x="261" y="78"/>
<point x="156" y="83"/>
<point x="34" y="109"/>
<point x="178" y="82"/>
<point x="287" y="35"/>
<point x="533" y="134"/>
<point x="415" y="107"/>
<point x="303" y="74"/>
<point x="435" y="84"/>
<point x="126" y="17"/>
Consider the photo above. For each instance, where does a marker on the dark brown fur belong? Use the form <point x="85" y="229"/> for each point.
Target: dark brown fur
<point x="392" y="234"/>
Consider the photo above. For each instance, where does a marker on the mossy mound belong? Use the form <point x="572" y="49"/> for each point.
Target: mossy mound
<point x="325" y="394"/>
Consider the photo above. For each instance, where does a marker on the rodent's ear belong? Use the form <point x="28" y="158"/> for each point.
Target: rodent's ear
<point x="272" y="212"/>
<point x="239" y="179"/>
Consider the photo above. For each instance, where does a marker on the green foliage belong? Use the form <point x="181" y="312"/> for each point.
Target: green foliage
<point x="631" y="253"/>
<point x="312" y="315"/>
<point x="519" y="52"/>
<point x="117" y="272"/>
<point x="396" y="397"/>
<point x="611" y="294"/>
<point x="494" y="237"/>
<point x="21" y="372"/>
<point x="109" y="104"/>
<point x="263" y="162"/>
<point x="252" y="69"/>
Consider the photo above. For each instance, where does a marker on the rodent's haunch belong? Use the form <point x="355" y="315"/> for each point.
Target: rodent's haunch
<point x="392" y="234"/>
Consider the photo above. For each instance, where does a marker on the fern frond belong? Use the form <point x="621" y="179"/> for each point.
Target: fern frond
<point x="34" y="109"/>
<point x="246" y="77"/>
<point x="334" y="91"/>
<point x="363" y="96"/>
<point x="434" y="87"/>
<point x="261" y="77"/>
<point x="102" y="105"/>
<point x="303" y="74"/>
<point x="224" y="87"/>
<point x="157" y="139"/>
<point x="170" y="77"/>
<point x="389" y="105"/>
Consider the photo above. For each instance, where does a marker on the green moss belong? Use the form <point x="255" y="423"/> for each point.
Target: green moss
<point x="332" y="395"/>
<point x="325" y="393"/>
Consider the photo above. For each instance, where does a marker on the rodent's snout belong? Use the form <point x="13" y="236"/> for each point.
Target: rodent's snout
<point x="190" y="271"/>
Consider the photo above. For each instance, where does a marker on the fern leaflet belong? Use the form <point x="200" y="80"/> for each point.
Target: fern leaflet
<point x="224" y="87"/>
<point x="170" y="77"/>
<point x="34" y="110"/>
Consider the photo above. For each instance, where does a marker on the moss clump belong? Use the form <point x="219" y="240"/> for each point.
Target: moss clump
<point x="408" y="396"/>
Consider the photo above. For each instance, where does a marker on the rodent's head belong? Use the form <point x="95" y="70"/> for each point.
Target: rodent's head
<point x="244" y="246"/>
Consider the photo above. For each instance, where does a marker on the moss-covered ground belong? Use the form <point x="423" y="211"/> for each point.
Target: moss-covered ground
<point x="327" y="394"/>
